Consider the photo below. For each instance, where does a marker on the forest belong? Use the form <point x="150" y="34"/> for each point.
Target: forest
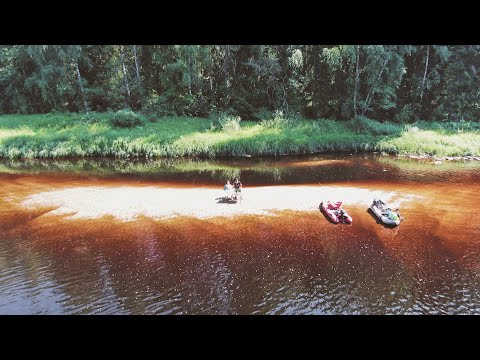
<point x="397" y="83"/>
<point x="238" y="100"/>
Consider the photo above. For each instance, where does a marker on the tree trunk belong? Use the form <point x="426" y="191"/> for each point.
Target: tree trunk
<point x="47" y="92"/>
<point x="124" y="70"/>
<point x="425" y="73"/>
<point x="190" y="70"/>
<point x="316" y="80"/>
<point x="137" y="65"/>
<point x="372" y="88"/>
<point x="80" y="84"/>
<point x="357" y="78"/>
<point x="227" y="56"/>
<point x="139" y="79"/>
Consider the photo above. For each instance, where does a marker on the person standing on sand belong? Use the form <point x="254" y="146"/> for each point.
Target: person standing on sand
<point x="237" y="186"/>
<point x="227" y="188"/>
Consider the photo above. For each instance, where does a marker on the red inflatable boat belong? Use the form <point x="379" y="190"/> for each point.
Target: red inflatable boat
<point x="335" y="212"/>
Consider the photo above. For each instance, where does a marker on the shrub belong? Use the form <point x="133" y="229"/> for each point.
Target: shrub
<point x="126" y="118"/>
<point x="263" y="114"/>
<point x="152" y="117"/>
<point x="278" y="122"/>
<point x="90" y="118"/>
<point x="158" y="105"/>
<point x="364" y="125"/>
<point x="198" y="106"/>
<point x="229" y="122"/>
<point x="405" y="115"/>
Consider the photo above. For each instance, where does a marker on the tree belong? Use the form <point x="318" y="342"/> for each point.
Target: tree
<point x="386" y="82"/>
<point x="460" y="98"/>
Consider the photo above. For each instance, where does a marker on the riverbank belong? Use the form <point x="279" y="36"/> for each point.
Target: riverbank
<point x="94" y="135"/>
<point x="440" y="158"/>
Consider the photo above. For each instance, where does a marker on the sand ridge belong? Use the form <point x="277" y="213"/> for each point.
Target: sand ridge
<point x="127" y="203"/>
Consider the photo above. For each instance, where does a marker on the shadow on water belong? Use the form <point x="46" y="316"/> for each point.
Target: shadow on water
<point x="325" y="215"/>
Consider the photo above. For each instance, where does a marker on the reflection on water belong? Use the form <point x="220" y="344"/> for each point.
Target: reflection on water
<point x="285" y="259"/>
<point x="266" y="171"/>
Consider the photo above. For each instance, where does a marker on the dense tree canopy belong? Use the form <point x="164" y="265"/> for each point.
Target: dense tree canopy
<point x="386" y="82"/>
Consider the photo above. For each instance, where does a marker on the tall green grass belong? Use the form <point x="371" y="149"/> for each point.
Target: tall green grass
<point x="93" y="135"/>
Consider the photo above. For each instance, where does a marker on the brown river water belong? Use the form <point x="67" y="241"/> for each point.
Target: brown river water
<point x="152" y="237"/>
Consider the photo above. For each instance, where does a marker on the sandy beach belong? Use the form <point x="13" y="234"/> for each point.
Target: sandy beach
<point x="127" y="203"/>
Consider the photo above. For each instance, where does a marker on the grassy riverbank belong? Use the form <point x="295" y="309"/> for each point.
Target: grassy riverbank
<point x="72" y="135"/>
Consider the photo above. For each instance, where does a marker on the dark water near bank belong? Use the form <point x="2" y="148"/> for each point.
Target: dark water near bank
<point x="295" y="262"/>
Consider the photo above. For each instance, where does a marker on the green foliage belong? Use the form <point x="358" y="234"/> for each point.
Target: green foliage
<point x="126" y="118"/>
<point x="157" y="105"/>
<point x="263" y="114"/>
<point x="364" y="125"/>
<point x="66" y="135"/>
<point x="198" y="106"/>
<point x="432" y="143"/>
<point x="89" y="118"/>
<point x="229" y="123"/>
<point x="406" y="114"/>
<point x="152" y="117"/>
<point x="462" y="85"/>
<point x="277" y="122"/>
<point x="400" y="83"/>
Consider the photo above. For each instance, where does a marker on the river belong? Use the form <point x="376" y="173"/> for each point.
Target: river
<point x="105" y="236"/>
